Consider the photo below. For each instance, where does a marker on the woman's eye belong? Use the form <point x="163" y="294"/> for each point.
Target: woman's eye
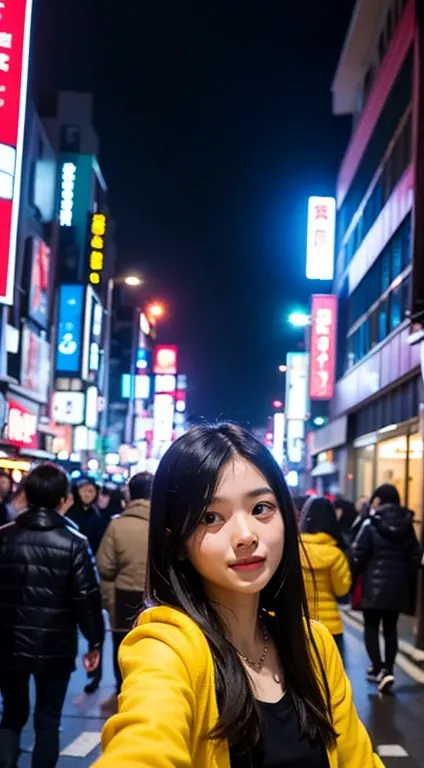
<point x="210" y="518"/>
<point x="263" y="509"/>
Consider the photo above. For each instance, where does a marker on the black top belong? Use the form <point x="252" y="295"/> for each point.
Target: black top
<point x="387" y="555"/>
<point x="48" y="586"/>
<point x="284" y="747"/>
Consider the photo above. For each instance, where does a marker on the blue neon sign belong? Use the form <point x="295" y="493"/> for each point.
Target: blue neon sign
<point x="70" y="320"/>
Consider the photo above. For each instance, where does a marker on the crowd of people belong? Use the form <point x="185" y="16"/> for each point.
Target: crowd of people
<point x="224" y="602"/>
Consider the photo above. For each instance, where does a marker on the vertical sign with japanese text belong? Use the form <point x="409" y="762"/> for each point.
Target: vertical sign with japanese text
<point x="320" y="238"/>
<point x="97" y="247"/>
<point x="15" y="33"/>
<point x="323" y="347"/>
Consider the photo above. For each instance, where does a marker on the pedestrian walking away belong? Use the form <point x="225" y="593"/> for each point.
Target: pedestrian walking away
<point x="48" y="588"/>
<point x="325" y="566"/>
<point x="386" y="556"/>
<point x="225" y="667"/>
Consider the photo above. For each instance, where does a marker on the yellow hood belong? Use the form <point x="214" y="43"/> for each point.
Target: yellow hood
<point x="321" y="550"/>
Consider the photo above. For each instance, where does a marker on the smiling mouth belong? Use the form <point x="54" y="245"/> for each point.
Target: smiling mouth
<point x="248" y="564"/>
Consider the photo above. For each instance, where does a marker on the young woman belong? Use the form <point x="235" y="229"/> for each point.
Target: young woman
<point x="225" y="669"/>
<point x="325" y="566"/>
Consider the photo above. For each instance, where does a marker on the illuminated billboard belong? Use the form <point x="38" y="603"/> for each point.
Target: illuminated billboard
<point x="67" y="194"/>
<point x="35" y="363"/>
<point x="15" y="31"/>
<point x="323" y="347"/>
<point x="69" y="407"/>
<point x="22" y="421"/>
<point x="165" y="360"/>
<point x="296" y="386"/>
<point x="38" y="304"/>
<point x="69" y="338"/>
<point x="163" y="419"/>
<point x="93" y="323"/>
<point x="320" y="238"/>
<point x="97" y="247"/>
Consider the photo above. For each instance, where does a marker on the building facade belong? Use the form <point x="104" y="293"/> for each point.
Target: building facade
<point x="27" y="336"/>
<point x="375" y="431"/>
<point x="85" y="267"/>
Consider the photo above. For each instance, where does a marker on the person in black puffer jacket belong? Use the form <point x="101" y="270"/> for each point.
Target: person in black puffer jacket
<point x="48" y="587"/>
<point x="387" y="555"/>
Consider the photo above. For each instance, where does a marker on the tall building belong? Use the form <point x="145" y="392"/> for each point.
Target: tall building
<point x="375" y="430"/>
<point x="26" y="348"/>
<point x="86" y="263"/>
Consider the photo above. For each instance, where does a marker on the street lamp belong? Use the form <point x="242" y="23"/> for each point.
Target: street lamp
<point x="282" y="368"/>
<point x="132" y="281"/>
<point x="277" y="404"/>
<point x="299" y="319"/>
<point x="155" y="311"/>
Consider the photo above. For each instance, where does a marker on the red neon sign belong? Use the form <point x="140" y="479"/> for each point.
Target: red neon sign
<point x="165" y="360"/>
<point x="15" y="30"/>
<point x="22" y="426"/>
<point x="323" y="347"/>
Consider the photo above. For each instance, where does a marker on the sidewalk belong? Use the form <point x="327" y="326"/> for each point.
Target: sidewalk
<point x="406" y="636"/>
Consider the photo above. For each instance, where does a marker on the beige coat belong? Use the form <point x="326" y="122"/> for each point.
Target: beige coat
<point x="122" y="560"/>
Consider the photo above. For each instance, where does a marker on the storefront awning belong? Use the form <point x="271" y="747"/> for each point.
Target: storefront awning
<point x="333" y="435"/>
<point x="327" y="468"/>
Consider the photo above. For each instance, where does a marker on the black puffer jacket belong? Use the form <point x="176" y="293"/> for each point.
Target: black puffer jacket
<point x="48" y="586"/>
<point x="387" y="555"/>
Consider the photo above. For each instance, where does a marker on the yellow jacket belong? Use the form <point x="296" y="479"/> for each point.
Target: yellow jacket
<point x="331" y="578"/>
<point x="168" y="701"/>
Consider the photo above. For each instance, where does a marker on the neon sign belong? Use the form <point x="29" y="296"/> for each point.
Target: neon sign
<point x="97" y="245"/>
<point x="15" y="31"/>
<point x="69" y="171"/>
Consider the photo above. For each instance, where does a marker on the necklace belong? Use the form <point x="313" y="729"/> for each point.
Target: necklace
<point x="257" y="664"/>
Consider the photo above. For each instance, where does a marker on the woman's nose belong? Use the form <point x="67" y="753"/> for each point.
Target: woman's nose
<point x="244" y="535"/>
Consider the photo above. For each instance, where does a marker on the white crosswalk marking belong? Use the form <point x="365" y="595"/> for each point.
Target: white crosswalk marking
<point x="391" y="750"/>
<point x="83" y="745"/>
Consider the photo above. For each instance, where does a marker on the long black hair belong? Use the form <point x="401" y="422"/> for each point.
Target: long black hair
<point x="183" y="488"/>
<point x="319" y="516"/>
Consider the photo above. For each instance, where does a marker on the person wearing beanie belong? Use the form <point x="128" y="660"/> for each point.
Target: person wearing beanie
<point x="386" y="555"/>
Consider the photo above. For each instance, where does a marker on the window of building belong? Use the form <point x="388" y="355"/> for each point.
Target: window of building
<point x="398" y="102"/>
<point x="415" y="480"/>
<point x="396" y="255"/>
<point x="391" y="464"/>
<point x="383" y="317"/>
<point x="406" y="296"/>
<point x="385" y="270"/>
<point x="396" y="316"/>
<point x="392" y="171"/>
<point x="365" y="471"/>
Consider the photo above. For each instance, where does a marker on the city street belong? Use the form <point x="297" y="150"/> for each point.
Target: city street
<point x="395" y="722"/>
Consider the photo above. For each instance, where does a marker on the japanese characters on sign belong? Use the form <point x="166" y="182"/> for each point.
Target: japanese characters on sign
<point x="67" y="188"/>
<point x="320" y="238"/>
<point x="323" y="347"/>
<point x="15" y="27"/>
<point x="97" y="246"/>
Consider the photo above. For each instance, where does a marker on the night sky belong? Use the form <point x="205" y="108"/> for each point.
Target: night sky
<point x="215" y="126"/>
